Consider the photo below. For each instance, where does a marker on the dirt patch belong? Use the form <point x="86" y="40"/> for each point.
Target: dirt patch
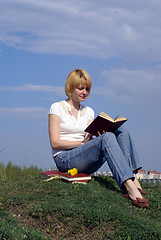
<point x="54" y="228"/>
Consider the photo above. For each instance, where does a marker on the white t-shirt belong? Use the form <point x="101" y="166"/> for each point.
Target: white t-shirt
<point x="71" y="129"/>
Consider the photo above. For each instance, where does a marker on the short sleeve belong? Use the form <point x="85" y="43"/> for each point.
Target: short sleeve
<point x="90" y="113"/>
<point x="55" y="109"/>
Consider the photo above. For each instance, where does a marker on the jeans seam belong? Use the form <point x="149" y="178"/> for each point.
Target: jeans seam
<point x="129" y="157"/>
<point x="113" y="159"/>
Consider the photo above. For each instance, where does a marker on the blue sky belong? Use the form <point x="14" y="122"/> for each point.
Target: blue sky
<point x="117" y="42"/>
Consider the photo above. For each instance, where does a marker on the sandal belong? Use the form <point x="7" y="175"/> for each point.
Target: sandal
<point x="139" y="202"/>
<point x="142" y="192"/>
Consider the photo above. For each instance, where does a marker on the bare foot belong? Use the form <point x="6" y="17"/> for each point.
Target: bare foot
<point x="134" y="194"/>
<point x="137" y="182"/>
<point x="132" y="189"/>
<point x="139" y="186"/>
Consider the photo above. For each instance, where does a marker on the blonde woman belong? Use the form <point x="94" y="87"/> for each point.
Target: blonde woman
<point x="73" y="148"/>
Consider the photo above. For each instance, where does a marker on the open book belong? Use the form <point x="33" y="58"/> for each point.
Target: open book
<point x="104" y="122"/>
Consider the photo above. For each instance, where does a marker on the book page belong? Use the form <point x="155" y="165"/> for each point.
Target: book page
<point x="104" y="115"/>
<point x="120" y="119"/>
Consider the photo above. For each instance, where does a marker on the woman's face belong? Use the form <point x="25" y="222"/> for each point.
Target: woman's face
<point x="80" y="93"/>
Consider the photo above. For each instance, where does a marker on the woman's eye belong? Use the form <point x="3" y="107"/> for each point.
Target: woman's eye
<point x="81" y="88"/>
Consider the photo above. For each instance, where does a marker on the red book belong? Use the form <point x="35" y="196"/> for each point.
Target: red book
<point x="78" y="177"/>
<point x="48" y="174"/>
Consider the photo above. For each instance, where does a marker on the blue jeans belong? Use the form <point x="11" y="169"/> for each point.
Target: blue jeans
<point x="117" y="149"/>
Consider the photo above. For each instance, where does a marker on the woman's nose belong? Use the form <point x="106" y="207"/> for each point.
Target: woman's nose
<point x="84" y="91"/>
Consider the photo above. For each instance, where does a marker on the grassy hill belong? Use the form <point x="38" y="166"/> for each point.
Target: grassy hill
<point x="34" y="209"/>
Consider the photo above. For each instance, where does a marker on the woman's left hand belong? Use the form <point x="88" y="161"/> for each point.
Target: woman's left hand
<point x="99" y="134"/>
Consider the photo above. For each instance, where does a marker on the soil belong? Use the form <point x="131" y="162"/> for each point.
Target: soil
<point x="52" y="228"/>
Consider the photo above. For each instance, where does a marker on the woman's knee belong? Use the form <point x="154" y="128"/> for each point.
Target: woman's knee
<point x="108" y="136"/>
<point x="121" y="130"/>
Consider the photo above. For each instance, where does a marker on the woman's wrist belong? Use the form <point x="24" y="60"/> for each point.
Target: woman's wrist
<point x="83" y="142"/>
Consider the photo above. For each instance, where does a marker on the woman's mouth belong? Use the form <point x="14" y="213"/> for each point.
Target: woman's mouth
<point x="83" y="96"/>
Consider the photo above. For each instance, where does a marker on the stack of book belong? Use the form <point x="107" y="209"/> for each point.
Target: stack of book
<point x="78" y="178"/>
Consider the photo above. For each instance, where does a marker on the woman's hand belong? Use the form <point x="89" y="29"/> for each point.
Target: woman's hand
<point x="87" y="138"/>
<point x="99" y="134"/>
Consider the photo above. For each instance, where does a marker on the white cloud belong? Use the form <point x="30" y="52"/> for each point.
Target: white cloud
<point x="23" y="112"/>
<point x="134" y="86"/>
<point x="143" y="86"/>
<point x="100" y="29"/>
<point x="40" y="88"/>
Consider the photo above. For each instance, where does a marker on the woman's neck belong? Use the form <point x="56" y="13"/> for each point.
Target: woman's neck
<point x="73" y="104"/>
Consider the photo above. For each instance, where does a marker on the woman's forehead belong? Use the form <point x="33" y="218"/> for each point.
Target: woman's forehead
<point x="84" y="85"/>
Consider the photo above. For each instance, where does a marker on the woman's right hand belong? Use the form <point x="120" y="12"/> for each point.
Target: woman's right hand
<point x="87" y="138"/>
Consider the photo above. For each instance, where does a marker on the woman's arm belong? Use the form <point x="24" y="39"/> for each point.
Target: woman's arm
<point x="54" y="134"/>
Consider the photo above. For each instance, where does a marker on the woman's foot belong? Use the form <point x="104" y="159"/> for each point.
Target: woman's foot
<point x="139" y="186"/>
<point x="142" y="192"/>
<point x="134" y="194"/>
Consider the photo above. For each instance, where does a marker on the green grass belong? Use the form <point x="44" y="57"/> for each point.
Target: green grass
<point x="34" y="209"/>
<point x="13" y="170"/>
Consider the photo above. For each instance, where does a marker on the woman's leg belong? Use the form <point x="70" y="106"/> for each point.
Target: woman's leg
<point x="92" y="155"/>
<point x="127" y="146"/>
<point x="87" y="158"/>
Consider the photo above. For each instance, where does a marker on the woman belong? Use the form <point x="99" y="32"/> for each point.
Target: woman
<point x="73" y="148"/>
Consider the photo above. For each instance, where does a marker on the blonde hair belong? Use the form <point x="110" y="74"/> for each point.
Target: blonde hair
<point x="75" y="78"/>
